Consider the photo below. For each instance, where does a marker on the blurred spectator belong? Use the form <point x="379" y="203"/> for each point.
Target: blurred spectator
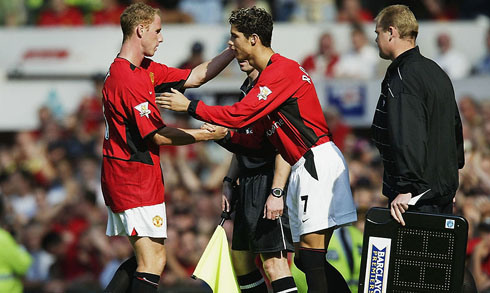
<point x="42" y="260"/>
<point x="22" y="199"/>
<point x="109" y="13"/>
<point x="120" y="250"/>
<point x="344" y="253"/>
<point x="14" y="260"/>
<point x="353" y="12"/>
<point x="315" y="11"/>
<point x="323" y="62"/>
<point x="480" y="251"/>
<point x="451" y="60"/>
<point x="483" y="66"/>
<point x="90" y="108"/>
<point x="236" y="4"/>
<point x="438" y="10"/>
<point x="284" y="10"/>
<point x="172" y="14"/>
<point x="12" y="13"/>
<point x="58" y="13"/>
<point x="196" y="57"/>
<point x="361" y="61"/>
<point x="340" y="131"/>
<point x="469" y="111"/>
<point x="203" y="11"/>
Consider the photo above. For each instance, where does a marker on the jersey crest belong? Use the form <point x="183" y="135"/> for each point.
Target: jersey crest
<point x="143" y="109"/>
<point x="152" y="77"/>
<point x="157" y="221"/>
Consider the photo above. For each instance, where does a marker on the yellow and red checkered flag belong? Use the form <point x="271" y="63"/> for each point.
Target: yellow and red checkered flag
<point x="214" y="266"/>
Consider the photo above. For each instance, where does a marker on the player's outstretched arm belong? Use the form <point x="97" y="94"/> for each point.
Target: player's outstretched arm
<point x="206" y="71"/>
<point x="178" y="136"/>
<point x="175" y="101"/>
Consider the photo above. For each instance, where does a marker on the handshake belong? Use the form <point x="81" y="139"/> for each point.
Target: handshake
<point x="218" y="132"/>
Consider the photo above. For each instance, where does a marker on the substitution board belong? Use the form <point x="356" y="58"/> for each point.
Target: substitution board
<point x="425" y="255"/>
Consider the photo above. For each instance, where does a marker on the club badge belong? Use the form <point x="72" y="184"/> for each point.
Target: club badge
<point x="157" y="221"/>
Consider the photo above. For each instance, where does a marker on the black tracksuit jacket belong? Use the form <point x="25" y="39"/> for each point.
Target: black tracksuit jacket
<point x="418" y="131"/>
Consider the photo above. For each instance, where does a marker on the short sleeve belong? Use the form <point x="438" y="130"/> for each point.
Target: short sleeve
<point x="165" y="78"/>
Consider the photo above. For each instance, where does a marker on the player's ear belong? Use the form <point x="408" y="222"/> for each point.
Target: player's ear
<point x="391" y="30"/>
<point x="139" y="30"/>
<point x="253" y="39"/>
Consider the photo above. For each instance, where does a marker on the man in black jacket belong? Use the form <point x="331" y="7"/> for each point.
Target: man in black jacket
<point x="416" y="127"/>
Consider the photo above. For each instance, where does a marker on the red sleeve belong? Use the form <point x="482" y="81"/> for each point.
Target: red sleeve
<point x="253" y="139"/>
<point x="165" y="77"/>
<point x="273" y="88"/>
<point x="143" y="110"/>
<point x="250" y="143"/>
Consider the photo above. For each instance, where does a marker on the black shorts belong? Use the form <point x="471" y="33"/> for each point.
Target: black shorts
<point x="252" y="232"/>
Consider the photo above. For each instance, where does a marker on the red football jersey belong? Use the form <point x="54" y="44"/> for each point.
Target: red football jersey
<point x="131" y="173"/>
<point x="285" y="105"/>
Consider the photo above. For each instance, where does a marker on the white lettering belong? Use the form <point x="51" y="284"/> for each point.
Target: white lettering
<point x="306" y="78"/>
<point x="275" y="126"/>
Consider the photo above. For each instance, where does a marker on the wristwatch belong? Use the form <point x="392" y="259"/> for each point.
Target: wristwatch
<point x="277" y="192"/>
<point x="227" y="179"/>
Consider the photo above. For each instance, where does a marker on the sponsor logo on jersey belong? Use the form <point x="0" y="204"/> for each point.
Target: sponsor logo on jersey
<point x="143" y="109"/>
<point x="157" y="221"/>
<point x="264" y="92"/>
<point x="377" y="265"/>
<point x="275" y="125"/>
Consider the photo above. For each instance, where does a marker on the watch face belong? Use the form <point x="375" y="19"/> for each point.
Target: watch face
<point x="277" y="192"/>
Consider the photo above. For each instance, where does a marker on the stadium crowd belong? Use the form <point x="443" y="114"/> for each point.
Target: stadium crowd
<point x="106" y="12"/>
<point x="50" y="177"/>
<point x="50" y="185"/>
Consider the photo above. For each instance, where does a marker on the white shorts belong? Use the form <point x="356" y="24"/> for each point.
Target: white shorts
<point x="315" y="205"/>
<point x="149" y="221"/>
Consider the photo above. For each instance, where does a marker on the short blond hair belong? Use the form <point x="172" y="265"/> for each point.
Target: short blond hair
<point x="134" y="15"/>
<point x="400" y="17"/>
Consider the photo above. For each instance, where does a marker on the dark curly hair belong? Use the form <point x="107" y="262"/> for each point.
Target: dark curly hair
<point x="253" y="20"/>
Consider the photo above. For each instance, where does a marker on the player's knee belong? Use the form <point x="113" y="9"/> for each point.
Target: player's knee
<point x="152" y="259"/>
<point x="276" y="267"/>
<point x="270" y="267"/>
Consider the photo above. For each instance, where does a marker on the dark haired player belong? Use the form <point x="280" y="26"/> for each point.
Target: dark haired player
<point x="284" y="102"/>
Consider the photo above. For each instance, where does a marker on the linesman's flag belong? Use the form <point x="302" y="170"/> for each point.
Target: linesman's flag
<point x="214" y="266"/>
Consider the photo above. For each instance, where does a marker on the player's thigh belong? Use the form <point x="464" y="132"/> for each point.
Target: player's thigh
<point x="243" y="261"/>
<point x="317" y="240"/>
<point x="150" y="253"/>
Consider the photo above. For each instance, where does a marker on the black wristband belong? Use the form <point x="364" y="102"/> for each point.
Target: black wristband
<point x="227" y="179"/>
<point x="191" y="109"/>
